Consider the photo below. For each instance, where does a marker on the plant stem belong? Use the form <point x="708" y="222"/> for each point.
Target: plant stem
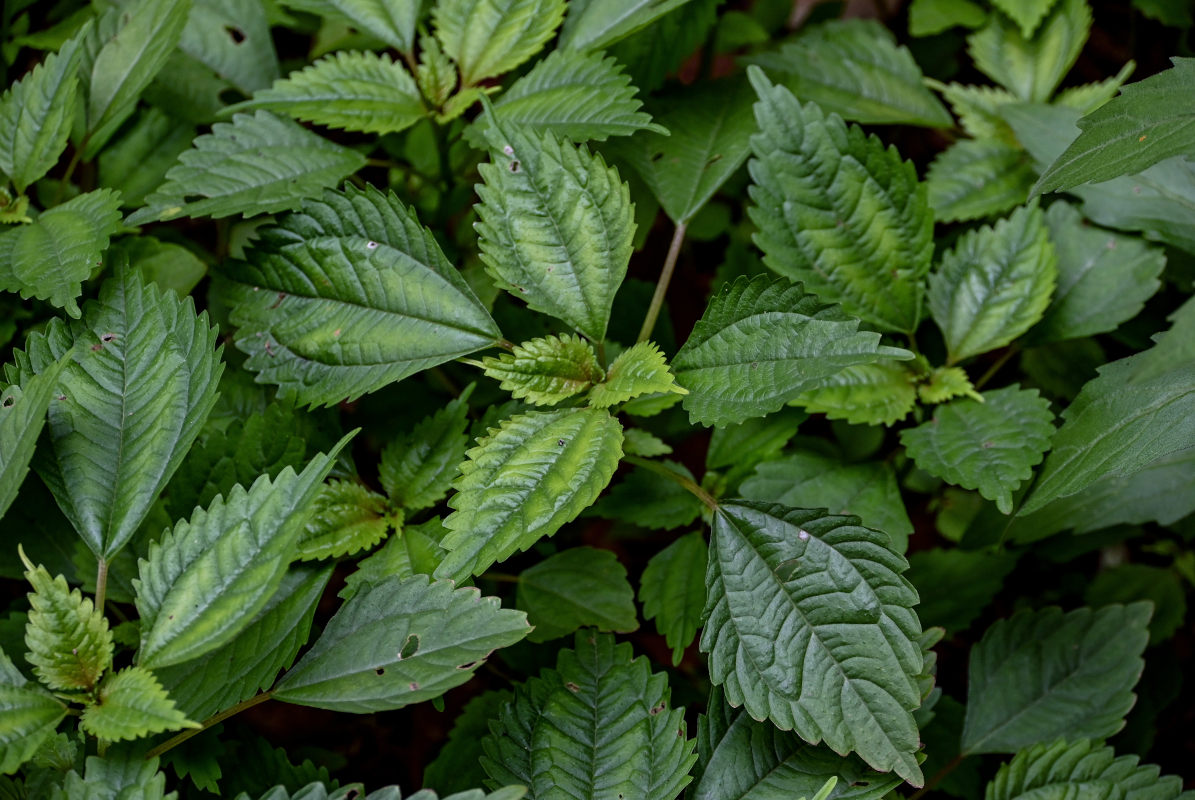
<point x="175" y="741"/>
<point x="101" y="584"/>
<point x="657" y="299"/>
<point x="1008" y="353"/>
<point x="676" y="477"/>
<point x="937" y="778"/>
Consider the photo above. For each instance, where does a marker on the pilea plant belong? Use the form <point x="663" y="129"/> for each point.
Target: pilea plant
<point x="336" y="380"/>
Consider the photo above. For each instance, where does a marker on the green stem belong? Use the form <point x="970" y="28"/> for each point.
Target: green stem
<point x="215" y="719"/>
<point x="76" y="157"/>
<point x="937" y="778"/>
<point x="676" y="477"/>
<point x="1011" y="351"/>
<point x="657" y="299"/>
<point x="101" y="584"/>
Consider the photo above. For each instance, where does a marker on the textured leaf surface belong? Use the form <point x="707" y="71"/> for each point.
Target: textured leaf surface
<point x="866" y="394"/>
<point x="257" y="164"/>
<point x="1032" y="68"/>
<point x="123" y="772"/>
<point x="1044" y="675"/>
<point x="638" y="370"/>
<point x="810" y="625"/>
<point x="22" y="417"/>
<point x="638" y="442"/>
<point x="28" y="716"/>
<point x="672" y="591"/>
<point x="417" y="469"/>
<point x="990" y="446"/>
<point x="763" y="342"/>
<point x="132" y="704"/>
<point x="248" y="61"/>
<point x="547" y="370"/>
<point x="837" y="211"/>
<point x="525" y="480"/>
<point x="976" y="178"/>
<point x="597" y="24"/>
<point x="576" y="588"/>
<point x="399" y="642"/>
<point x="598" y="725"/>
<point x="1080" y="768"/>
<point x="344" y="518"/>
<point x="490" y="37"/>
<point x="69" y="643"/>
<point x="349" y="295"/>
<point x="995" y="284"/>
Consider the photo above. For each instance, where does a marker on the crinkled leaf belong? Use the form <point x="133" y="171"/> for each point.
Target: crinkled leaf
<point x="978" y="109"/>
<point x="976" y="178"/>
<point x="123" y="772"/>
<point x="69" y="643"/>
<point x="1080" y="768"/>
<point x="547" y="370"/>
<point x="865" y="394"/>
<point x="131" y="705"/>
<point x="22" y="417"/>
<point x="397" y="642"/>
<point x="355" y="791"/>
<point x="490" y="37"/>
<point x="956" y="585"/>
<point x="672" y="591"/>
<point x="838" y="211"/>
<point x="597" y="24"/>
<point x="1032" y="68"/>
<point x="946" y="383"/>
<point x="417" y="469"/>
<point x="638" y="370"/>
<point x="651" y="500"/>
<point x="576" y="588"/>
<point x="28" y="717"/>
<point x="344" y="518"/>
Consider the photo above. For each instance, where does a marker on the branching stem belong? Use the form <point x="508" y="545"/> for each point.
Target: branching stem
<point x="657" y="299"/>
<point x="676" y="477"/>
<point x="215" y="719"/>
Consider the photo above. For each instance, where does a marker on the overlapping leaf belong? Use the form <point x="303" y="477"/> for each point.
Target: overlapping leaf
<point x="132" y="704"/>
<point x="597" y="24"/>
<point x="640" y="369"/>
<point x="344" y="518"/>
<point x="1080" y="766"/>
<point x="458" y="764"/>
<point x="417" y="469"/>
<point x="651" y="499"/>
<point x="415" y="550"/>
<point x="672" y="591"/>
<point x="1032" y="68"/>
<point x="69" y="643"/>
<point x="22" y="417"/>
<point x="976" y="178"/>
<point x="122" y="771"/>
<point x="490" y="37"/>
<point x="28" y="716"/>
<point x="956" y="585"/>
<point x="866" y="394"/>
<point x="547" y="370"/>
<point x="232" y="38"/>
<point x="576" y="588"/>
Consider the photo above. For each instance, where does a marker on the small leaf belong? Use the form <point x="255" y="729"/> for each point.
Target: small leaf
<point x="417" y="469"/>
<point x="1080" y="767"/>
<point x="977" y="178"/>
<point x="947" y="383"/>
<point x="131" y="705"/>
<point x="638" y="370"/>
<point x="344" y="518"/>
<point x="576" y="588"/>
<point x="865" y="394"/>
<point x="638" y="442"/>
<point x="1087" y="97"/>
<point x="28" y="717"/>
<point x="978" y="109"/>
<point x="69" y="643"/>
<point x="672" y="591"/>
<point x="1032" y="68"/>
<point x="547" y="370"/>
<point x="490" y="37"/>
<point x="121" y="772"/>
<point x="415" y="550"/>
<point x="931" y="17"/>
<point x="22" y="417"/>
<point x="597" y="24"/>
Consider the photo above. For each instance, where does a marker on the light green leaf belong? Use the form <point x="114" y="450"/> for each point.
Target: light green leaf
<point x="1087" y="97"/>
<point x="131" y="705"/>
<point x="51" y="257"/>
<point x="417" y="469"/>
<point x="638" y="442"/>
<point x="946" y="383"/>
<point x="976" y="178"/>
<point x="865" y="394"/>
<point x="415" y="550"/>
<point x="22" y="417"/>
<point x="650" y="500"/>
<point x="672" y="591"/>
<point x="344" y="518"/>
<point x="547" y="370"/>
<point x="978" y="109"/>
<point x="392" y="21"/>
<point x="1044" y="675"/>
<point x="350" y="91"/>
<point x="1026" y="13"/>
<point x="349" y="295"/>
<point x="837" y="211"/>
<point x="458" y="764"/>
<point x="257" y="164"/>
<point x="28" y="717"/>
<point x="142" y="381"/>
<point x="956" y="585"/>
<point x="575" y="588"/>
<point x="69" y="643"/>
<point x="638" y="370"/>
<point x="209" y="577"/>
<point x="597" y="24"/>
<point x="555" y="226"/>
<point x="399" y="642"/>
<point x="931" y="17"/>
<point x="232" y="38"/>
<point x="775" y="640"/>
<point x="524" y="481"/>
<point x="435" y="73"/>
<point x="490" y="37"/>
<point x="598" y="725"/>
<point x="763" y="342"/>
<point x="854" y="68"/>
<point x="1032" y="68"/>
<point x="991" y="446"/>
<point x="995" y="284"/>
<point x="1080" y="768"/>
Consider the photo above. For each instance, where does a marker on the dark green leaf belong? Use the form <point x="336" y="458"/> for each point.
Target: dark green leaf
<point x="956" y="585"/>
<point x="22" y="417"/>
<point x="417" y="469"/>
<point x="576" y="588"/>
<point x="28" y="716"/>
<point x="457" y="767"/>
<point x="1127" y="583"/>
<point x="672" y="591"/>
<point x="597" y="24"/>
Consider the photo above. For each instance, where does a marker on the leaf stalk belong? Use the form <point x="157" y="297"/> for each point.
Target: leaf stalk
<point x="657" y="299"/>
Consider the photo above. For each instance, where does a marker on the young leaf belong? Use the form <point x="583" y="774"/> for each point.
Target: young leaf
<point x="1083" y="766"/>
<point x="638" y="370"/>
<point x="1032" y="68"/>
<point x="131" y="705"/>
<point x="763" y="342"/>
<point x="597" y="24"/>
<point x="142" y="381"/>
<point x="121" y="772"/>
<point x="837" y="211"/>
<point x="976" y="178"/>
<point x="1043" y="675"/>
<point x="69" y="643"/>
<point x="28" y="716"/>
<point x="344" y="518"/>
<point x="524" y="481"/>
<point x="865" y="394"/>
<point x="257" y="164"/>
<point x="978" y="109"/>
<point x="991" y="446"/>
<point x="547" y="370"/>
<point x="672" y="591"/>
<point x="417" y="469"/>
<point x="638" y="442"/>
<point x="490" y="37"/>
<point x="1087" y="97"/>
<point x="399" y="642"/>
<point x="995" y="284"/>
<point x="22" y="417"/>
<point x="956" y="585"/>
<point x="946" y="383"/>
<point x="854" y="68"/>
<point x="555" y="226"/>
<point x="575" y="588"/>
<point x="775" y="641"/>
<point x="349" y="295"/>
<point x="51" y="257"/>
<point x="598" y="725"/>
<point x="208" y="578"/>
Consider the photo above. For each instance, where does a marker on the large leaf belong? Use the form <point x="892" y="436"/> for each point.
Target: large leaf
<point x="28" y="716"/>
<point x="349" y="295"/>
<point x="547" y="370"/>
<point x="598" y="725"/>
<point x="576" y="588"/>
<point x="69" y="643"/>
<point x="142" y="381"/>
<point x="208" y="578"/>
<point x="838" y="211"/>
<point x="854" y="68"/>
<point x="257" y="164"/>
<point x="131" y="705"/>
<point x="417" y="469"/>
<point x="1081" y="768"/>
<point x="525" y="480"/>
<point x="1044" y="675"/>
<point x="810" y="625"/>
<point x="765" y="341"/>
<point x="555" y="226"/>
<point x="22" y="417"/>
<point x="976" y="178"/>
<point x="672" y="591"/>
<point x="1032" y="68"/>
<point x="1151" y="120"/>
<point x="397" y="642"/>
<point x="597" y="24"/>
<point x="490" y="37"/>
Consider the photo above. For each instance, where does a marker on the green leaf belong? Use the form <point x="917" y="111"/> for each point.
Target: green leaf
<point x="399" y="642"/>
<point x="995" y="284"/>
<point x="69" y="643"/>
<point x="865" y="394"/>
<point x="763" y="342"/>
<point x="976" y="178"/>
<point x="638" y="442"/>
<point x="598" y="725"/>
<point x="956" y="585"/>
<point x="866" y="490"/>
<point x="650" y="500"/>
<point x="142" y="381"/>
<point x="208" y="578"/>
<point x="931" y="17"/>
<point x="978" y="109"/>
<point x="123" y="772"/>
<point x="350" y="91"/>
<point x="854" y="68"/>
<point x="232" y="38"/>
<point x="547" y="370"/>
<point x="1151" y="120"/>
<point x="1080" y="768"/>
<point x="51" y="257"/>
<point x="458" y="764"/>
<point x="131" y="705"/>
<point x="991" y="446"/>
<point x="1126" y="583"/>
<point x="167" y="265"/>
<point x="774" y="637"/>
<point x="28" y="717"/>
<point x="555" y="226"/>
<point x="752" y="441"/>
<point x="1032" y="68"/>
<point x="344" y="518"/>
<point x="22" y="417"/>
<point x="946" y="383"/>
<point x="349" y="295"/>
<point x="136" y="162"/>
<point x="1026" y="13"/>
<point x="413" y="550"/>
<point x="672" y="591"/>
<point x="417" y="469"/>
<point x="257" y="164"/>
<point x="638" y="370"/>
<point x="575" y="588"/>
<point x="353" y="791"/>
<point x="392" y="22"/>
<point x="659" y="49"/>
<point x="1087" y="97"/>
<point x="597" y="24"/>
<point x="524" y="481"/>
<point x="1043" y="675"/>
<point x="36" y="114"/>
<point x="837" y="211"/>
<point x="490" y="37"/>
